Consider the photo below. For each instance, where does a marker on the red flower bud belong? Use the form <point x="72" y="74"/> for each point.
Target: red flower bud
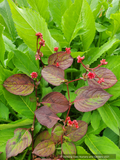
<point x="101" y="80"/>
<point x="68" y="50"/>
<point x="56" y="49"/>
<point x="57" y="64"/>
<point x="80" y="59"/>
<point x="39" y="35"/>
<point x="42" y="42"/>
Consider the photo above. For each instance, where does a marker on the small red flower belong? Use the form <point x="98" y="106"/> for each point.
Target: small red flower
<point x="76" y="126"/>
<point x="56" y="49"/>
<point x="39" y="35"/>
<point x="57" y="64"/>
<point x="80" y="59"/>
<point x="101" y="80"/>
<point x="34" y="74"/>
<point x="103" y="62"/>
<point x="68" y="50"/>
<point x="91" y="75"/>
<point x="42" y="42"/>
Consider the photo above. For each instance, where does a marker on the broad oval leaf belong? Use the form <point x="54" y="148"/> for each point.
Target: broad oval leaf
<point x="45" y="135"/>
<point x="21" y="140"/>
<point x="44" y="149"/>
<point x="46" y="117"/>
<point x="19" y="84"/>
<point x="53" y="75"/>
<point x="56" y="101"/>
<point x="76" y="134"/>
<point x="57" y="132"/>
<point x="91" y="98"/>
<point x="65" y="60"/>
<point x="68" y="148"/>
<point x="109" y="78"/>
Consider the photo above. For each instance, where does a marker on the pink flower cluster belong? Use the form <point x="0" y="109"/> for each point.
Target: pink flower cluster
<point x="72" y="123"/>
<point x="34" y="74"/>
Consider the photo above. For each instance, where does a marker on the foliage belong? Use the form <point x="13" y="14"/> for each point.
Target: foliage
<point x="59" y="104"/>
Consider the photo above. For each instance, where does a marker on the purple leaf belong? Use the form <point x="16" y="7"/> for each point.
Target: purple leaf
<point x="56" y="101"/>
<point x="21" y="140"/>
<point x="65" y="60"/>
<point x="45" y="135"/>
<point x="68" y="148"/>
<point x="53" y="75"/>
<point x="46" y="117"/>
<point x="109" y="78"/>
<point x="90" y="98"/>
<point x="44" y="148"/>
<point x="76" y="134"/>
<point x="19" y="84"/>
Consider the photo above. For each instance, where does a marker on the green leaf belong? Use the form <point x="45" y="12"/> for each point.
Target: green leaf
<point x="19" y="84"/>
<point x="98" y="52"/>
<point x="113" y="8"/>
<point x="95" y="6"/>
<point x="28" y="23"/>
<point x="18" y="123"/>
<point x="59" y="37"/>
<point x="41" y="7"/>
<point x="109" y="117"/>
<point x="21" y="104"/>
<point x="6" y="13"/>
<point x="4" y="112"/>
<point x="2" y="46"/>
<point x="22" y="3"/>
<point x="24" y="63"/>
<point x="81" y="152"/>
<point x="57" y="9"/>
<point x="44" y="149"/>
<point x="81" y="17"/>
<point x="111" y="135"/>
<point x="100" y="27"/>
<point x="9" y="46"/>
<point x="95" y="119"/>
<point x="5" y="136"/>
<point x="68" y="148"/>
<point x="86" y="117"/>
<point x="102" y="145"/>
<point x="21" y="140"/>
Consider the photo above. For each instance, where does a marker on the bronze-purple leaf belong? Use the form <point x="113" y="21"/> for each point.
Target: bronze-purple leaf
<point x="109" y="78"/>
<point x="19" y="84"/>
<point x="44" y="148"/>
<point x="68" y="148"/>
<point x="21" y="140"/>
<point x="56" y="101"/>
<point x="57" y="132"/>
<point x="53" y="75"/>
<point x="45" y="135"/>
<point x="90" y="99"/>
<point x="46" y="117"/>
<point x="76" y="134"/>
<point x="65" y="60"/>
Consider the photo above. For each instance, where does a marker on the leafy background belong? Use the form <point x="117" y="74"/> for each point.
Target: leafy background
<point x="90" y="28"/>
